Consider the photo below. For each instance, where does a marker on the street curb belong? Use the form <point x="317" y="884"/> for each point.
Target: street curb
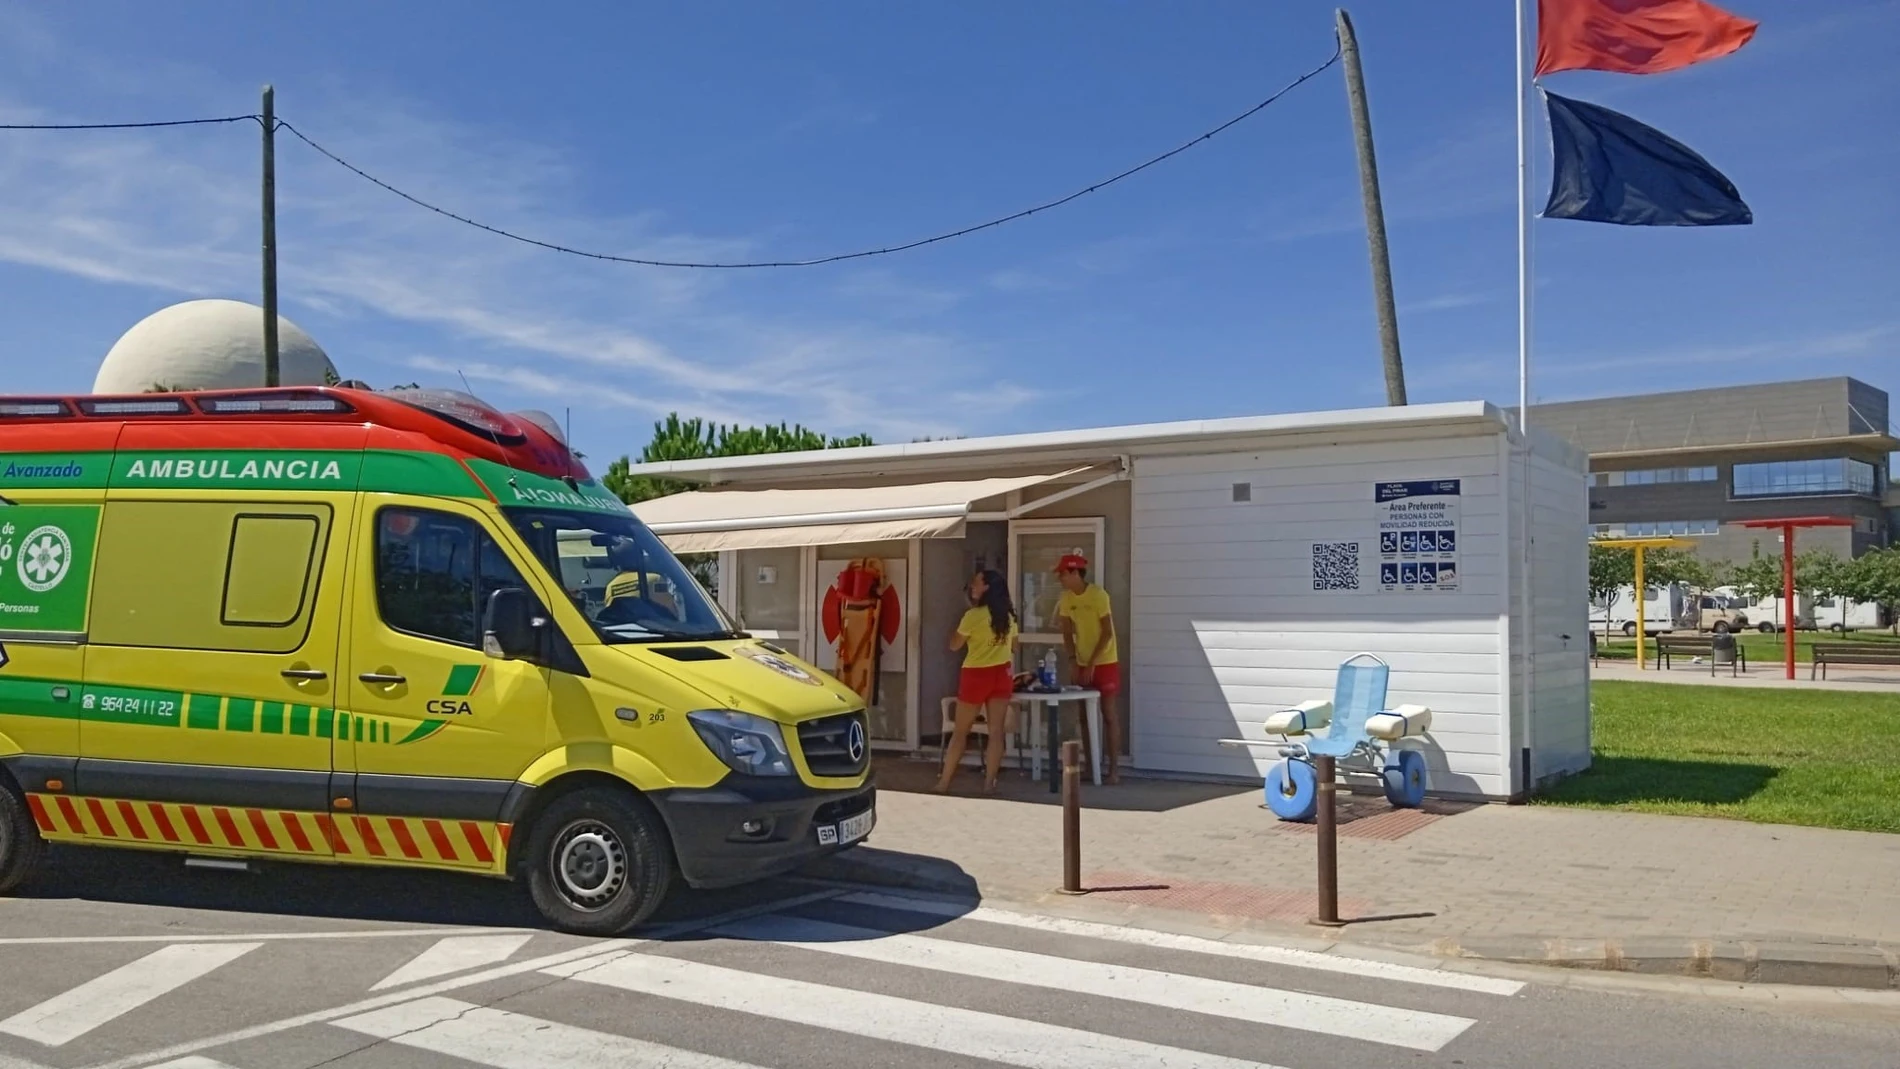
<point x="904" y="871"/>
<point x="1866" y="966"/>
<point x="1863" y="966"/>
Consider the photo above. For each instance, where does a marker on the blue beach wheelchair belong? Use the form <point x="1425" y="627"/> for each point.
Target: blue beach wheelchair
<point x="1357" y="731"/>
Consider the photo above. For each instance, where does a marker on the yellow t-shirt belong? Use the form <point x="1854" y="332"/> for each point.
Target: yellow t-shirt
<point x="983" y="649"/>
<point x="1085" y="612"/>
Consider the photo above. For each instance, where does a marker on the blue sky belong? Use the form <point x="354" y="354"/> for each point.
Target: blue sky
<point x="1231" y="280"/>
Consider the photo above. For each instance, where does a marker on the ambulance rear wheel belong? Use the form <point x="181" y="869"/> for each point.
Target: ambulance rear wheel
<point x="20" y="842"/>
<point x="599" y="862"/>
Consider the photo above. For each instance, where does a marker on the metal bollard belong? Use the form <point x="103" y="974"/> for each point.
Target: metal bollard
<point x="1072" y="818"/>
<point x="1328" y="828"/>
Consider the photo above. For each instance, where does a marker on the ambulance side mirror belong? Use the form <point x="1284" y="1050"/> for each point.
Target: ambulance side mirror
<point x="509" y="629"/>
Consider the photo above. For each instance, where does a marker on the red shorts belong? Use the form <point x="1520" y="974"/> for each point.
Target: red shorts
<point x="1106" y="678"/>
<point x="977" y="686"/>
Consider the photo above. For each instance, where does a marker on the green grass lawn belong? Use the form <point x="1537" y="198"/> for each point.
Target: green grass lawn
<point x="1824" y="758"/>
<point x="1765" y="649"/>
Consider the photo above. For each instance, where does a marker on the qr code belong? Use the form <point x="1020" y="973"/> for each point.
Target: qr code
<point x="1335" y="566"/>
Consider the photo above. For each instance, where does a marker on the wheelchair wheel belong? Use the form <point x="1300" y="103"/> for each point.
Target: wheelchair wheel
<point x="1405" y="779"/>
<point x="1293" y="790"/>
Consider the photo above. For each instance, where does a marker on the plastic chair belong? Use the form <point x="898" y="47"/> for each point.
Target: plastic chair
<point x="980" y="727"/>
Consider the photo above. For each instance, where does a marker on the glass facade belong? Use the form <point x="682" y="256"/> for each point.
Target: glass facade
<point x="1655" y="476"/>
<point x="1793" y="478"/>
<point x="1658" y="529"/>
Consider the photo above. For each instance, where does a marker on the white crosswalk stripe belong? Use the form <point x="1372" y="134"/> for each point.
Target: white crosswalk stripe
<point x="1194" y="994"/>
<point x="505" y="1040"/>
<point x="1090" y="995"/>
<point x="65" y="1017"/>
<point x="457" y="953"/>
<point x="1304" y="959"/>
<point x="1006" y="1040"/>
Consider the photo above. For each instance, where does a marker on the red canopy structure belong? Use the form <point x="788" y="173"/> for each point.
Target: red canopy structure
<point x="1787" y="527"/>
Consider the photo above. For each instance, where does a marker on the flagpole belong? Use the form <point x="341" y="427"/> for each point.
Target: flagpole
<point x="1524" y="288"/>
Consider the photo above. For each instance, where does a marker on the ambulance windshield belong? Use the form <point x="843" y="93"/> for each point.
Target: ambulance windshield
<point x="623" y="579"/>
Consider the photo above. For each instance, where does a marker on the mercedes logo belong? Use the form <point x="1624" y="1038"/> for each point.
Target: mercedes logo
<point x="854" y="742"/>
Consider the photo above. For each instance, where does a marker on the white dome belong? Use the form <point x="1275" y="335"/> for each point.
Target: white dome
<point x="209" y="345"/>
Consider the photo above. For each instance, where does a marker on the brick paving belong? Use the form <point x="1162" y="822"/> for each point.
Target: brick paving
<point x="1451" y="872"/>
<point x="1218" y="900"/>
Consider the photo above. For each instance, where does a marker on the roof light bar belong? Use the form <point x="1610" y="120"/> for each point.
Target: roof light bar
<point x="250" y="406"/>
<point x="34" y="409"/>
<point x="469" y="413"/>
<point x="166" y="406"/>
<point x="544" y="421"/>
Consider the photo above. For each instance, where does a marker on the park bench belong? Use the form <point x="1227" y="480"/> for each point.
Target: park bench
<point x="1697" y="646"/>
<point x="1826" y="653"/>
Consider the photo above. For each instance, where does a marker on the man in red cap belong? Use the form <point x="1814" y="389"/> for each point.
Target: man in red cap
<point x="1088" y="635"/>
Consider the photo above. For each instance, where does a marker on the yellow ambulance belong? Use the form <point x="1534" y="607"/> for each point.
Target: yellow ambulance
<point x="396" y="628"/>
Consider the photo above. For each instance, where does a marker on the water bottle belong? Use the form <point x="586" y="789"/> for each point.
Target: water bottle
<point x="1048" y="673"/>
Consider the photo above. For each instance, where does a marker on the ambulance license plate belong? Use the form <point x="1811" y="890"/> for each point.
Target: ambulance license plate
<point x="848" y="830"/>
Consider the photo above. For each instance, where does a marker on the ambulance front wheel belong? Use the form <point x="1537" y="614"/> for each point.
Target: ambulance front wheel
<point x="598" y="862"/>
<point x="20" y="842"/>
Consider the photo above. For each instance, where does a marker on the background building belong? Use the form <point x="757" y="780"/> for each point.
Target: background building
<point x="209" y="345"/>
<point x="1694" y="462"/>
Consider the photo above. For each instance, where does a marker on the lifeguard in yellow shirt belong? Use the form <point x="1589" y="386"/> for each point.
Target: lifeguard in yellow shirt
<point x="1088" y="635"/>
<point x="987" y="635"/>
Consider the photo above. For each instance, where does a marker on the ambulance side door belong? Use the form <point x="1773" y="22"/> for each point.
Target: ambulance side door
<point x="437" y="730"/>
<point x="47" y="539"/>
<point x="211" y="670"/>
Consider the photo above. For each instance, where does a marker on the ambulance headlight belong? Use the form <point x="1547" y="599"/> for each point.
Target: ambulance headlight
<point x="749" y="744"/>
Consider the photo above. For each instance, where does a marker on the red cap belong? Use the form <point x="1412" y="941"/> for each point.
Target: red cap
<point x="1072" y="562"/>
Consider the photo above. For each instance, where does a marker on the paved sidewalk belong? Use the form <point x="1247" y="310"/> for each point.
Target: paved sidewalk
<point x="1706" y="897"/>
<point x="1840" y="677"/>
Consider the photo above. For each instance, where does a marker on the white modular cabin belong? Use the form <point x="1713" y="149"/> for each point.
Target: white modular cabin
<point x="1246" y="559"/>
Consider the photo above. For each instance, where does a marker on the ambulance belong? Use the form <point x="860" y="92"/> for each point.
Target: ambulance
<point x="387" y="628"/>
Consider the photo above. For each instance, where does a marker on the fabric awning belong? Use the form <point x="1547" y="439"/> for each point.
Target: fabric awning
<point x="707" y="521"/>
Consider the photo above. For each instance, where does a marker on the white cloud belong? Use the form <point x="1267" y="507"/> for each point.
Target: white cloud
<point x="175" y="212"/>
<point x="1446" y="302"/>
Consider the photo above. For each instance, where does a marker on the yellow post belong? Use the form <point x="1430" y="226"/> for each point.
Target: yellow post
<point x="1636" y="546"/>
<point x="1640" y="600"/>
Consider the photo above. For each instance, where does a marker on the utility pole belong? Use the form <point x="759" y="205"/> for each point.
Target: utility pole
<point x="1375" y="212"/>
<point x="270" y="238"/>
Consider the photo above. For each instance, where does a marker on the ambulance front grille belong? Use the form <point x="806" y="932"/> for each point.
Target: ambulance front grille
<point x="828" y="744"/>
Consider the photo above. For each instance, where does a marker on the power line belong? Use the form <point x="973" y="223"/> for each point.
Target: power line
<point x="812" y="262"/>
<point x="884" y="251"/>
<point x="128" y="125"/>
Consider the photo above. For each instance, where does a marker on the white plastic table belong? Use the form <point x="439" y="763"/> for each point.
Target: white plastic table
<point x="1045" y="717"/>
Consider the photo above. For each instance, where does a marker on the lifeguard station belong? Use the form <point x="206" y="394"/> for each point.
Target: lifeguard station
<point x="1357" y="730"/>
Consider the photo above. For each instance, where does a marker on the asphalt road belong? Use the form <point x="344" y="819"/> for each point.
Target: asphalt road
<point x="126" y="961"/>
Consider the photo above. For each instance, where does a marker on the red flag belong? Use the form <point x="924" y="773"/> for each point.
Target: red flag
<point x="1634" y="36"/>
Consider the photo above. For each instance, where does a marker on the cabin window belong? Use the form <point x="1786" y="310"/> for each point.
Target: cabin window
<point x="208" y="575"/>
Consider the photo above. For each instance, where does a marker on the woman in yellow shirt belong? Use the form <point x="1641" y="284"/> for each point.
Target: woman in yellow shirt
<point x="987" y="637"/>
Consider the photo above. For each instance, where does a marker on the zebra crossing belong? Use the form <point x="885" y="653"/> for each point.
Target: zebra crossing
<point x="857" y="976"/>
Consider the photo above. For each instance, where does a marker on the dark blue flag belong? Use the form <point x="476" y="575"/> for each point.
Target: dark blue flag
<point x="1612" y="169"/>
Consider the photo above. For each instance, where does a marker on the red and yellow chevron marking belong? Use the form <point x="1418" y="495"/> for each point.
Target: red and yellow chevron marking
<point x="463" y="844"/>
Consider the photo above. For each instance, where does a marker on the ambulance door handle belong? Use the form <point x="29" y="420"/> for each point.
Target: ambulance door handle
<point x="383" y="679"/>
<point x="304" y="673"/>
